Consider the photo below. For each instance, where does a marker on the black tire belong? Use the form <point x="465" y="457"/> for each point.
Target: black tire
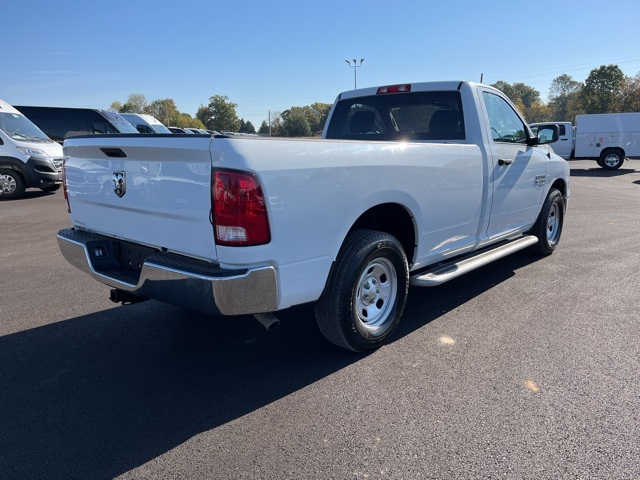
<point x="548" y="226"/>
<point x="12" y="184"/>
<point x="611" y="159"/>
<point x="366" y="292"/>
<point x="52" y="188"/>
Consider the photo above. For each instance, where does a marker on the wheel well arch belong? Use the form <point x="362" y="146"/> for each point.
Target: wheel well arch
<point x="16" y="165"/>
<point x="561" y="185"/>
<point x="609" y="149"/>
<point x="393" y="219"/>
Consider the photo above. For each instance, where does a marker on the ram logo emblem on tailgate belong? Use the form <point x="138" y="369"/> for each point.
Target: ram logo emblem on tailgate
<point x="119" y="183"/>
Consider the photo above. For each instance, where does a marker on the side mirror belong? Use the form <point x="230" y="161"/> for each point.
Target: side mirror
<point x="548" y="134"/>
<point x="545" y="134"/>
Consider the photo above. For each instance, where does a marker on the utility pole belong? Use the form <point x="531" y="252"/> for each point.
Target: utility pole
<point x="355" y="67"/>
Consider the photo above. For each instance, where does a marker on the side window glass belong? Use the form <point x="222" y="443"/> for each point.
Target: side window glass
<point x="99" y="127"/>
<point x="61" y="128"/>
<point x="505" y="123"/>
<point x="562" y="130"/>
<point x="103" y="127"/>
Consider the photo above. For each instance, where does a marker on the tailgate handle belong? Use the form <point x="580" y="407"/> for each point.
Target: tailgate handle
<point x="114" y="152"/>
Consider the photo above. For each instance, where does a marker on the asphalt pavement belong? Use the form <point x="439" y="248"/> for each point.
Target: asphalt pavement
<point x="526" y="368"/>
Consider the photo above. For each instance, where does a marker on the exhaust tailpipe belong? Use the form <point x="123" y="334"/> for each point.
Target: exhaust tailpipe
<point x="120" y="296"/>
<point x="267" y="320"/>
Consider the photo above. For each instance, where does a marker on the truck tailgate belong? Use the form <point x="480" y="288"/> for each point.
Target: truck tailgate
<point x="148" y="189"/>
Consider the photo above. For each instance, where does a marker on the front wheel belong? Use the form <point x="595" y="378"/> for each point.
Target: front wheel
<point x="11" y="184"/>
<point x="611" y="159"/>
<point x="366" y="292"/>
<point x="548" y="226"/>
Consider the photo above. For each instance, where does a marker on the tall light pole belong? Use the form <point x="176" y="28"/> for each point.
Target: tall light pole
<point x="355" y="67"/>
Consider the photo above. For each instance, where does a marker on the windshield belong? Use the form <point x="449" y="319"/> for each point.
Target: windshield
<point x="160" y="128"/>
<point x="19" y="127"/>
<point x="124" y="126"/>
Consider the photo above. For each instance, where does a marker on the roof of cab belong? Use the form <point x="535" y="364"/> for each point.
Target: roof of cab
<point x="148" y="118"/>
<point x="5" y="107"/>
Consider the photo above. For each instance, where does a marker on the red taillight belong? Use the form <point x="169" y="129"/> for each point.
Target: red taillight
<point x="394" y="89"/>
<point x="64" y="185"/>
<point x="239" y="209"/>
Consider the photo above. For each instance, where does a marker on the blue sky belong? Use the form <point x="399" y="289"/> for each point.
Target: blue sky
<point x="269" y="56"/>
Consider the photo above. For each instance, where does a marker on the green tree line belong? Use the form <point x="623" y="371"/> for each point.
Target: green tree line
<point x="606" y="90"/>
<point x="220" y="115"/>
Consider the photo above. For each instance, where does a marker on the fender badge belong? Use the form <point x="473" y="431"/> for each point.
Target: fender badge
<point x="119" y="182"/>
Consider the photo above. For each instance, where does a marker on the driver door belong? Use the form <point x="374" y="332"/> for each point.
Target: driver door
<point x="518" y="170"/>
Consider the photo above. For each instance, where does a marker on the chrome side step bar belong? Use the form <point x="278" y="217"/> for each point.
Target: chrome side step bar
<point x="443" y="272"/>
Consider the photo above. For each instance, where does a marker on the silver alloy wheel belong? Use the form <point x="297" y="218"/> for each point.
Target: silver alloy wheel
<point x="375" y="297"/>
<point x="612" y="160"/>
<point x="553" y="224"/>
<point x="7" y="184"/>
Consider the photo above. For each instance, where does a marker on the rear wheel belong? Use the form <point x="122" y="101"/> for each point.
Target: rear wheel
<point x="366" y="292"/>
<point x="11" y="184"/>
<point x="611" y="159"/>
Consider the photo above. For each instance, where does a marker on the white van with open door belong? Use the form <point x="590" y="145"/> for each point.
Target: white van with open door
<point x="28" y="158"/>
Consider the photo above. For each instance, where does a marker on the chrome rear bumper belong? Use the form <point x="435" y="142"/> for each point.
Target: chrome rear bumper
<point x="171" y="278"/>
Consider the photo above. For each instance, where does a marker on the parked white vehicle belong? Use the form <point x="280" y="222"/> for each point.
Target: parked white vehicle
<point x="145" y="123"/>
<point x="608" y="138"/>
<point x="411" y="184"/>
<point x="28" y="158"/>
<point x="59" y="123"/>
<point x="197" y="131"/>
<point x="565" y="144"/>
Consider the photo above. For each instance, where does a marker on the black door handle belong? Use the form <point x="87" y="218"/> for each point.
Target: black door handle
<point x="114" y="152"/>
<point x="505" y="161"/>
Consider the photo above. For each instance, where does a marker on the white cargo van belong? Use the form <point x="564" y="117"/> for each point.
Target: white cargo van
<point x="608" y="137"/>
<point x="28" y="158"/>
<point x="145" y="123"/>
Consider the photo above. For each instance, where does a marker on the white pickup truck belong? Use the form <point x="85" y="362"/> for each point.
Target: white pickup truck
<point x="565" y="145"/>
<point x="411" y="184"/>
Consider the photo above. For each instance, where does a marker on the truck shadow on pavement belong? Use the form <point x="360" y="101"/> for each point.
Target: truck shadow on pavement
<point x="101" y="394"/>
<point x="600" y="172"/>
<point x="30" y="194"/>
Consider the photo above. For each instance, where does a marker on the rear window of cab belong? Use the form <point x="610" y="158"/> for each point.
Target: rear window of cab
<point x="435" y="115"/>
